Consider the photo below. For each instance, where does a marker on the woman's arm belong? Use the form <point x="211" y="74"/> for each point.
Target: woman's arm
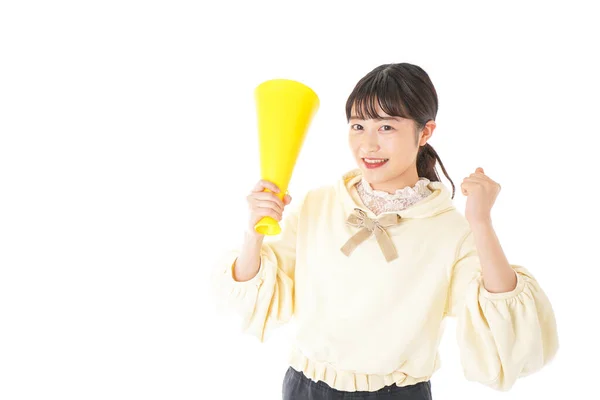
<point x="248" y="263"/>
<point x="497" y="274"/>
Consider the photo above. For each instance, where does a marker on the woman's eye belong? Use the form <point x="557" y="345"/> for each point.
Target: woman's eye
<point x="356" y="127"/>
<point x="384" y="126"/>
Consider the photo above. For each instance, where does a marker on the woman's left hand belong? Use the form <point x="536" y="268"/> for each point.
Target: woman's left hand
<point x="481" y="192"/>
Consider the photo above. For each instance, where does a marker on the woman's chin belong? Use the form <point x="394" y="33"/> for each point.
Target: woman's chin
<point x="373" y="176"/>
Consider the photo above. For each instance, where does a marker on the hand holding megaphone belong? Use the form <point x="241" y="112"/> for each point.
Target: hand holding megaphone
<point x="263" y="203"/>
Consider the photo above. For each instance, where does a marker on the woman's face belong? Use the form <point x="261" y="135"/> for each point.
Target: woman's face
<point x="386" y="151"/>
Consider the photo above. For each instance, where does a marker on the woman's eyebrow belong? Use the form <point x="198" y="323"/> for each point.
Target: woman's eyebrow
<point x="379" y="118"/>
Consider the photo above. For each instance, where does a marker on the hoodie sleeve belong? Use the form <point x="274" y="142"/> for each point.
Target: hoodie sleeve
<point x="265" y="301"/>
<point x="501" y="336"/>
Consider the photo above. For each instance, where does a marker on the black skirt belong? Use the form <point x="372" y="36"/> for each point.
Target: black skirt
<point x="296" y="386"/>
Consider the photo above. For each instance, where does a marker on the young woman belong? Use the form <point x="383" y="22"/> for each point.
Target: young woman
<point x="370" y="266"/>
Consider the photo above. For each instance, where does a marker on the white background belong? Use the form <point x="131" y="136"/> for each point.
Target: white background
<point x="128" y="144"/>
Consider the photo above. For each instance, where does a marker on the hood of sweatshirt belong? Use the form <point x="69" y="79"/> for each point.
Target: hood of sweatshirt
<point x="438" y="202"/>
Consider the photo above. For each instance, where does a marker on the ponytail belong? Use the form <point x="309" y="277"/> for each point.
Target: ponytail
<point x="426" y="159"/>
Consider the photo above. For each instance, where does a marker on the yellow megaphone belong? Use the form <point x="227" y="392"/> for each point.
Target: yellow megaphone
<point x="285" y="109"/>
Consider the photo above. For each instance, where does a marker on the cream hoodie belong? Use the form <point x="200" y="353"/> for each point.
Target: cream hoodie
<point x="363" y="322"/>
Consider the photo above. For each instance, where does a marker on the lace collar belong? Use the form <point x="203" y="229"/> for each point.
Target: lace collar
<point x="379" y="201"/>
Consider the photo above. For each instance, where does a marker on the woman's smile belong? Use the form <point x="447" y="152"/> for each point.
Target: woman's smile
<point x="372" y="163"/>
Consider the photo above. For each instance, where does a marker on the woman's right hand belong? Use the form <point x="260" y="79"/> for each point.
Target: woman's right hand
<point x="265" y="204"/>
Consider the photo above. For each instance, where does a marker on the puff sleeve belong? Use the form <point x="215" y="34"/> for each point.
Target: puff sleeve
<point x="265" y="301"/>
<point x="501" y="336"/>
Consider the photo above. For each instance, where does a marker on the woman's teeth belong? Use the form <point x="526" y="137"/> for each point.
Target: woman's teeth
<point x="375" y="162"/>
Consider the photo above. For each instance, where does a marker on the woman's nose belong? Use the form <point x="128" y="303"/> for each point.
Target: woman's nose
<point x="370" y="143"/>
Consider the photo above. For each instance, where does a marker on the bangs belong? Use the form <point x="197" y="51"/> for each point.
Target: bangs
<point x="377" y="92"/>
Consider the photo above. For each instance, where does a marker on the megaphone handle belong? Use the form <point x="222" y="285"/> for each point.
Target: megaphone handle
<point x="267" y="226"/>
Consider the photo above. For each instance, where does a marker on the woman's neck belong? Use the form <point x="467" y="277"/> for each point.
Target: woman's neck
<point x="391" y="186"/>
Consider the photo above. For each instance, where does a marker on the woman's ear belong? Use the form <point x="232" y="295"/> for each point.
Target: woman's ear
<point x="427" y="132"/>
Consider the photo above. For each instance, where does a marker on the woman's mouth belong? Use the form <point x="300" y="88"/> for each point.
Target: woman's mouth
<point x="372" y="163"/>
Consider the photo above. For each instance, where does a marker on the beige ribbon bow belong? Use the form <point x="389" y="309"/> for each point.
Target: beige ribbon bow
<point x="372" y="226"/>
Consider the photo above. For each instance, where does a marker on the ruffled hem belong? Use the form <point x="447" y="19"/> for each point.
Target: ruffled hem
<point x="346" y="380"/>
